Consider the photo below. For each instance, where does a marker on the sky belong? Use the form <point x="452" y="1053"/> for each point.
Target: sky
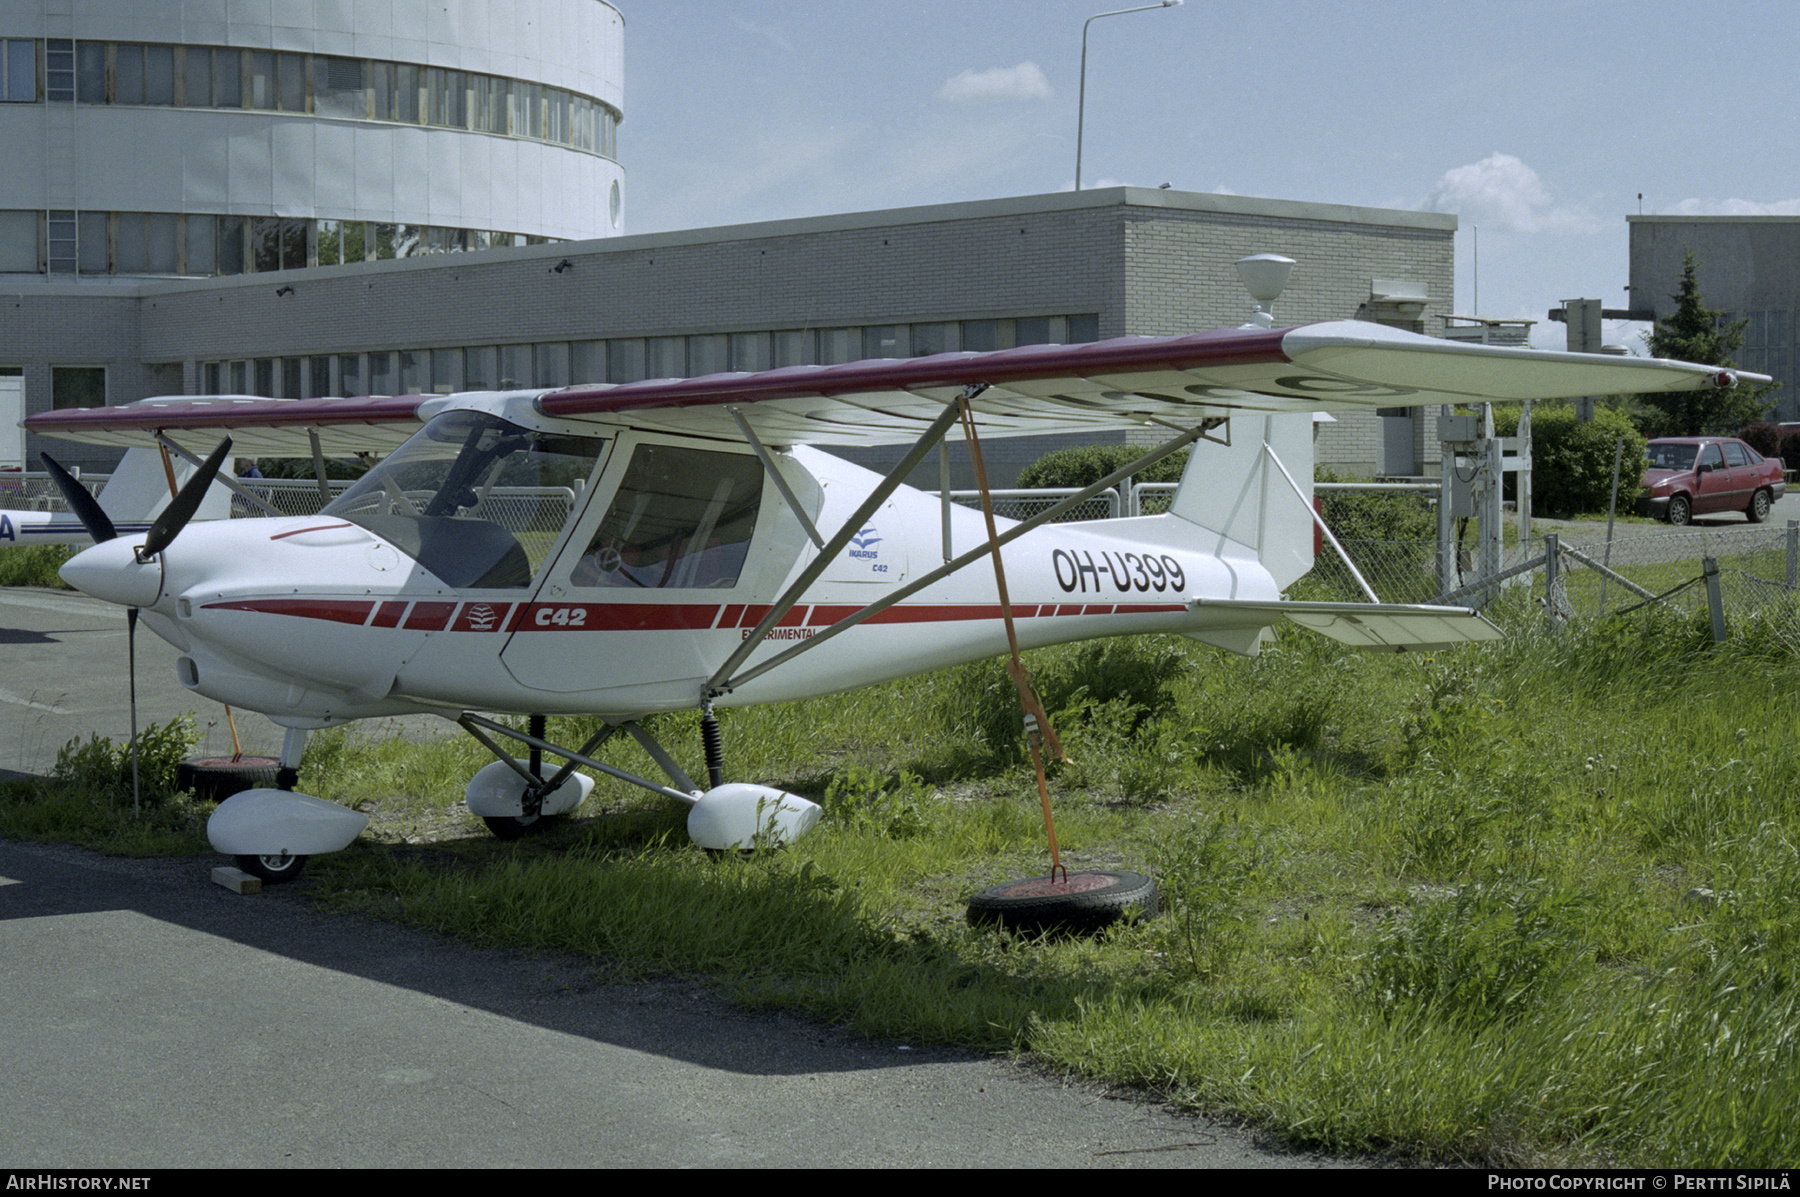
<point x="1539" y="124"/>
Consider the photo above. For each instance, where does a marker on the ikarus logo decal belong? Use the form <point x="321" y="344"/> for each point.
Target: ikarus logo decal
<point x="870" y="557"/>
<point x="862" y="545"/>
<point x="6" y="529"/>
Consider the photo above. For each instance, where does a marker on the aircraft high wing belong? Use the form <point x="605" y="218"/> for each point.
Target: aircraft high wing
<point x="688" y="543"/>
<point x="155" y="466"/>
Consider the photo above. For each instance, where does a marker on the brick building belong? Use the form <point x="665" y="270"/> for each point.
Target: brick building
<point x="1073" y="266"/>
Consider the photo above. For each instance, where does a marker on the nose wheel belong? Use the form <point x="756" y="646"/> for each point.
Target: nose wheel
<point x="273" y="869"/>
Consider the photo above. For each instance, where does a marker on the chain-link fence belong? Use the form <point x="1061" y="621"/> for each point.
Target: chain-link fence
<point x="1734" y="576"/>
<point x="1023" y="504"/>
<point x="29" y="492"/>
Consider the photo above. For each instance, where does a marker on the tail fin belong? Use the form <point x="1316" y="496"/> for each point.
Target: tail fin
<point x="139" y="489"/>
<point x="1237" y="493"/>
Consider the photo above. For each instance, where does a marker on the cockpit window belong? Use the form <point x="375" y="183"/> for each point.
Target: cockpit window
<point x="474" y="499"/>
<point x="682" y="518"/>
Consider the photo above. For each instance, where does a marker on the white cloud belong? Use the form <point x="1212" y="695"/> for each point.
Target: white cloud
<point x="1501" y="190"/>
<point x="768" y="33"/>
<point x="1734" y="207"/>
<point x="999" y="85"/>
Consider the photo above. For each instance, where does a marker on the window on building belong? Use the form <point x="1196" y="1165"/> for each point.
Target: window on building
<point x="19" y="242"/>
<point x="587" y="361"/>
<point x="95" y="237"/>
<point x="18" y="70"/>
<point x="550" y="364"/>
<point x="128" y="73"/>
<point x="77" y="386"/>
<point x="749" y="351"/>
<point x="90" y="72"/>
<point x="228" y="69"/>
<point x="339" y="88"/>
<point x="625" y="359"/>
<point x="159" y="75"/>
<point x="792" y="347"/>
<point x="261" y="80"/>
<point x="290" y="73"/>
<point x="707" y="354"/>
<point x="415" y="372"/>
<point x="446" y="373"/>
<point x="515" y="367"/>
<point x="665" y="357"/>
<point x="928" y="339"/>
<point x="478" y="368"/>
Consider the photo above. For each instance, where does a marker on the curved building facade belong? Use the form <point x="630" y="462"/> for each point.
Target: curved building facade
<point x="218" y="137"/>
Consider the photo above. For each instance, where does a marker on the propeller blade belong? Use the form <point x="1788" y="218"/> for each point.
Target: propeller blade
<point x="81" y="501"/>
<point x="181" y="508"/>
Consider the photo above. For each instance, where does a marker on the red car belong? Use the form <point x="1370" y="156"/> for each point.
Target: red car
<point x="1700" y="475"/>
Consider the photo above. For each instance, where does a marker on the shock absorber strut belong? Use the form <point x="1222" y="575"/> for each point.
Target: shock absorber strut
<point x="714" y="743"/>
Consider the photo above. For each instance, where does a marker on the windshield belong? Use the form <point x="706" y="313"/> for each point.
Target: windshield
<point x="1672" y="457"/>
<point x="474" y="499"/>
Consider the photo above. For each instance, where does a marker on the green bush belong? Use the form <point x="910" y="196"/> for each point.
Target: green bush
<point x="1131" y="675"/>
<point x="34" y="565"/>
<point x="1572" y="462"/>
<point x="103" y="768"/>
<point x="1085" y="465"/>
<point x="1375" y="514"/>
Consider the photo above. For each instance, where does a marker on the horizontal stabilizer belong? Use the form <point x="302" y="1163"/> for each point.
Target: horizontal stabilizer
<point x="1382" y="627"/>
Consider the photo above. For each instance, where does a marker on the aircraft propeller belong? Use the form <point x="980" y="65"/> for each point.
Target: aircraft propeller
<point x="81" y="502"/>
<point x="181" y="508"/>
<point x="163" y="531"/>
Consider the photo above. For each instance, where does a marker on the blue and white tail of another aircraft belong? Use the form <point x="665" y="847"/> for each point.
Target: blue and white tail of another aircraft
<point x="133" y="496"/>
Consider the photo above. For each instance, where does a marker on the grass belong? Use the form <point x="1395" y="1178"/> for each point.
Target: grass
<point x="1535" y="902"/>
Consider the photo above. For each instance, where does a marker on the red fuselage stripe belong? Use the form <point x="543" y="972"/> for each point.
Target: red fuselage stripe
<point x="644" y="617"/>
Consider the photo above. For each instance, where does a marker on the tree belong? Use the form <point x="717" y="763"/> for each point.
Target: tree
<point x="1697" y="333"/>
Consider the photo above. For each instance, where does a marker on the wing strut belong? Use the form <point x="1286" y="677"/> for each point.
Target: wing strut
<point x="775" y="474"/>
<point x="1319" y="523"/>
<point x="718" y="683"/>
<point x="723" y="681"/>
<point x="223" y="479"/>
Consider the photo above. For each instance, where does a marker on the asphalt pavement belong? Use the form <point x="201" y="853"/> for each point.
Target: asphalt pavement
<point x="157" y="1020"/>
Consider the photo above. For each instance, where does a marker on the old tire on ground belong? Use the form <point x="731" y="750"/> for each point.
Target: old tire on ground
<point x="1085" y="902"/>
<point x="273" y="869"/>
<point x="214" y="779"/>
<point x="1760" y="505"/>
<point x="1680" y="510"/>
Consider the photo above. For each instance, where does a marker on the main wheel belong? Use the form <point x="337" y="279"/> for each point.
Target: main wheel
<point x="1083" y="902"/>
<point x="214" y="779"/>
<point x="512" y="827"/>
<point x="273" y="869"/>
<point x="1761" y="503"/>
<point x="1681" y="509"/>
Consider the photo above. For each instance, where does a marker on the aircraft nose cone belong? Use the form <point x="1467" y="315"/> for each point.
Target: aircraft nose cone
<point x="110" y="572"/>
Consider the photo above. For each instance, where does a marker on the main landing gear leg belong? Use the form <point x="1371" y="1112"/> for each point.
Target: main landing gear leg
<point x="723" y="816"/>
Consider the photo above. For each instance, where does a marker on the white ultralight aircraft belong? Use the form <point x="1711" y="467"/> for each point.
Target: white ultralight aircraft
<point x="688" y="543"/>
